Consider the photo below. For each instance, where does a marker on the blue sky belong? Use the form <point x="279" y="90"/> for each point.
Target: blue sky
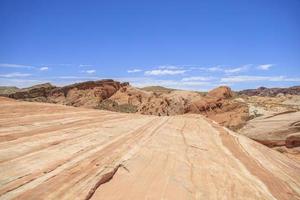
<point x="193" y="45"/>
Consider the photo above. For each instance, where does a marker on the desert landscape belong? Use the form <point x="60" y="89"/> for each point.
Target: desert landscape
<point x="109" y="140"/>
<point x="149" y="100"/>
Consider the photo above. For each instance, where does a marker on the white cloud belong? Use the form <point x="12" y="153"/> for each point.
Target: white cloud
<point x="228" y="70"/>
<point x="169" y="67"/>
<point x="21" y="83"/>
<point x="197" y="78"/>
<point x="15" y="66"/>
<point x="158" y="72"/>
<point x="79" y="77"/>
<point x="198" y="68"/>
<point x="134" y="71"/>
<point x="236" y="70"/>
<point x="193" y="83"/>
<point x="264" y="67"/>
<point x="85" y="65"/>
<point x="15" y="74"/>
<point x="89" y="71"/>
<point x="170" y="83"/>
<point x="237" y="79"/>
<point x="215" y="69"/>
<point x="92" y="71"/>
<point x="44" y="68"/>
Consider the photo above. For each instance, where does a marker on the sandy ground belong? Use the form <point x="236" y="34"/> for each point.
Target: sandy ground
<point x="51" y="151"/>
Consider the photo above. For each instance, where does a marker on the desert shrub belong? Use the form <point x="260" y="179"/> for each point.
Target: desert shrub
<point x="111" y="105"/>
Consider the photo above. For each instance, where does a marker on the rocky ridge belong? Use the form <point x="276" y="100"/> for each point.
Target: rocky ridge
<point x="121" y="97"/>
<point x="271" y="92"/>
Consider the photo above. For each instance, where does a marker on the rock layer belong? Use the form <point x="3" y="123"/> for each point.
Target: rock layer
<point x="50" y="151"/>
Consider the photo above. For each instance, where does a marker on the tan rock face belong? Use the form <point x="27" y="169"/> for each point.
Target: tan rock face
<point x="278" y="130"/>
<point x="52" y="151"/>
<point x="272" y="130"/>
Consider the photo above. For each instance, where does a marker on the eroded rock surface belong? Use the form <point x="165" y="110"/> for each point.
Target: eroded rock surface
<point x="278" y="130"/>
<point x="50" y="151"/>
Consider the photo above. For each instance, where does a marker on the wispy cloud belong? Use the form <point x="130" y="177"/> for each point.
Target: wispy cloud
<point x="134" y="70"/>
<point x="15" y="74"/>
<point x="170" y="67"/>
<point x="85" y="65"/>
<point x="89" y="71"/>
<point x="177" y="84"/>
<point x="215" y="69"/>
<point x="7" y="65"/>
<point x="44" y="68"/>
<point x="21" y="83"/>
<point x="78" y="77"/>
<point x="236" y="69"/>
<point x="264" y="67"/>
<point x="236" y="79"/>
<point x="158" y="72"/>
<point x="197" y="78"/>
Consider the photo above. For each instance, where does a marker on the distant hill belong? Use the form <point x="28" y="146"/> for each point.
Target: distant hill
<point x="157" y="89"/>
<point x="271" y="92"/>
<point x="43" y="85"/>
<point x="7" y="90"/>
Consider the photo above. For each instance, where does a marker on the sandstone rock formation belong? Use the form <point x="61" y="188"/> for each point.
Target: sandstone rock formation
<point x="278" y="130"/>
<point x="222" y="92"/>
<point x="219" y="106"/>
<point x="50" y="151"/>
<point x="121" y="97"/>
<point x="86" y="94"/>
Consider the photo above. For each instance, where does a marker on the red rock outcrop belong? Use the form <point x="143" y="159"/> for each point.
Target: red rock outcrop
<point x="115" y="96"/>
<point x="219" y="106"/>
<point x="222" y="92"/>
<point x="86" y="94"/>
